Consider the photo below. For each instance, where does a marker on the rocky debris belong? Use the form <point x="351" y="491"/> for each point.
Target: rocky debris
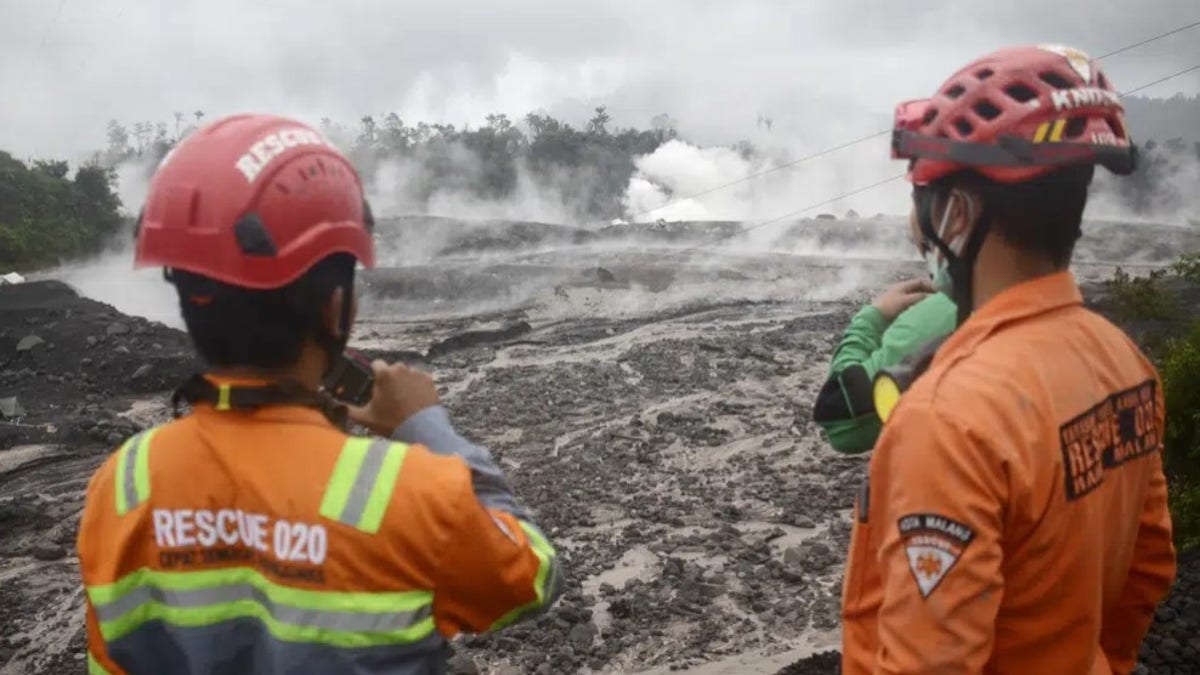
<point x="29" y="342"/>
<point x="814" y="557"/>
<point x="670" y="457"/>
<point x="100" y="359"/>
<point x="475" y="338"/>
<point x="11" y="407"/>
<point x="48" y="552"/>
<point x="1172" y="646"/>
<point x="823" y="663"/>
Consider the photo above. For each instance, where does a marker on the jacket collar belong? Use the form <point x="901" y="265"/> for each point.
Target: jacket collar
<point x="1027" y="299"/>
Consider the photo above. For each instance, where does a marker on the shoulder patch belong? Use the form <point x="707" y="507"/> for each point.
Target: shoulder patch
<point x="933" y="544"/>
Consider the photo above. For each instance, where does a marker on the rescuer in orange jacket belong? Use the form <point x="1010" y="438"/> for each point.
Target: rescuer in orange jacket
<point x="1014" y="519"/>
<point x="254" y="535"/>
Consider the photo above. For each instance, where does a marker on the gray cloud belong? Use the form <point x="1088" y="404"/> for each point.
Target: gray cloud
<point x="824" y="71"/>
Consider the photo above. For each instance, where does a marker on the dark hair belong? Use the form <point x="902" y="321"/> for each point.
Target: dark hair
<point x="1042" y="216"/>
<point x="231" y="326"/>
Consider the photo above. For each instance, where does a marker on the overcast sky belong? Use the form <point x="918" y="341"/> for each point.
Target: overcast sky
<point x="824" y="70"/>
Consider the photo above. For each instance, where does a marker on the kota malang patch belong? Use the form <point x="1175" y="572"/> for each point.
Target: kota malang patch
<point x="933" y="544"/>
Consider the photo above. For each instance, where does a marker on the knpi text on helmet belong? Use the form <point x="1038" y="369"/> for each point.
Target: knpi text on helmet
<point x="273" y="145"/>
<point x="1068" y="99"/>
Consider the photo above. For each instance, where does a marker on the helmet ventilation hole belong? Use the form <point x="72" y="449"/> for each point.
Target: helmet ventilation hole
<point x="986" y="110"/>
<point x="1056" y="80"/>
<point x="1075" y="127"/>
<point x="964" y="127"/>
<point x="985" y="74"/>
<point x="1021" y="93"/>
<point x="955" y="91"/>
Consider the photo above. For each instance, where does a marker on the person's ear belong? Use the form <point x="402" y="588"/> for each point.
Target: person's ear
<point x="332" y="314"/>
<point x="963" y="204"/>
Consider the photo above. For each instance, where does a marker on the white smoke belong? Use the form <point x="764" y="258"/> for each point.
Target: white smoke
<point x="680" y="181"/>
<point x="1174" y="200"/>
<point x="394" y="191"/>
<point x="133" y="182"/>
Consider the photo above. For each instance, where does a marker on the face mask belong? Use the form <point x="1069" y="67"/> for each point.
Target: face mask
<point x="939" y="268"/>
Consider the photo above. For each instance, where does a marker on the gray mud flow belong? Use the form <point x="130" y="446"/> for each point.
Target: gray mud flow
<point x="650" y="403"/>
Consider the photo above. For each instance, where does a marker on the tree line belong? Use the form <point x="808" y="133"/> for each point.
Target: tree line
<point x="47" y="215"/>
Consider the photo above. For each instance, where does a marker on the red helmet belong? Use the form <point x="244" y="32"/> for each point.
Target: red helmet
<point x="253" y="201"/>
<point x="1014" y="115"/>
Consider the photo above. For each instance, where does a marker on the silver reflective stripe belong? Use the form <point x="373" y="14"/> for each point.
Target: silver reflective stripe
<point x="364" y="481"/>
<point x="246" y="646"/>
<point x="129" y="480"/>
<point x="350" y="622"/>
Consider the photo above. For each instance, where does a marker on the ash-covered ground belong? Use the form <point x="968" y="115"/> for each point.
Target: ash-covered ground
<point x="650" y="401"/>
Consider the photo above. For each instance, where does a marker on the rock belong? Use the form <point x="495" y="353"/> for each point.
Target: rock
<point x="114" y="439"/>
<point x="583" y="635"/>
<point x="604" y="275"/>
<point x="117" y="328"/>
<point x="11" y="407"/>
<point x="48" y="552"/>
<point x="803" y="521"/>
<point x="28" y="342"/>
<point x="91" y="341"/>
<point x="142" y="372"/>
<point x="85" y="361"/>
<point x="461" y="664"/>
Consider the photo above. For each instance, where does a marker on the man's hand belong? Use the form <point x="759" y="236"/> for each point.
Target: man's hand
<point x="901" y="296"/>
<point x="399" y="393"/>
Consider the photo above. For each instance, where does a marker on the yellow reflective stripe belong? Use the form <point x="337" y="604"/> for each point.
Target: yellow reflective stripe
<point x="337" y="492"/>
<point x="381" y="492"/>
<point x="363" y="480"/>
<point x="223" y="396"/>
<point x="119" y="476"/>
<point x="209" y="597"/>
<point x="132" y="480"/>
<point x="94" y="666"/>
<point x="141" y="467"/>
<point x="545" y="554"/>
<point x="1042" y="129"/>
<point x="1057" y="132"/>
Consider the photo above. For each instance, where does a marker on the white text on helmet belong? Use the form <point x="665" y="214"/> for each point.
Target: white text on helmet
<point x="273" y="145"/>
<point x="1067" y="99"/>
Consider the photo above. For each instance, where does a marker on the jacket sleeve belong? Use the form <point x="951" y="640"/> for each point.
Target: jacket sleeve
<point x="844" y="406"/>
<point x="1150" y="575"/>
<point x="939" y="548"/>
<point x="497" y="567"/>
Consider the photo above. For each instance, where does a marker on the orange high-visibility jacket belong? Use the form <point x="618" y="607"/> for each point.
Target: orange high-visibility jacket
<point x="270" y="542"/>
<point x="1015" y="519"/>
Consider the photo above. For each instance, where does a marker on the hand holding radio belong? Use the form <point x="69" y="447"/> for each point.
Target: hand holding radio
<point x="399" y="392"/>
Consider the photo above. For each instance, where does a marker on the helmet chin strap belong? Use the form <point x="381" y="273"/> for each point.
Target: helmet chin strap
<point x="961" y="266"/>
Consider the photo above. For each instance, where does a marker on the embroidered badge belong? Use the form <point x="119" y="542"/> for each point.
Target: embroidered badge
<point x="933" y="544"/>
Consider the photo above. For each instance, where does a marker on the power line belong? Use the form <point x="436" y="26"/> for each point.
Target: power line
<point x="1135" y="45"/>
<point x="885" y="181"/>
<point x="1185" y="71"/>
<point x="795" y="213"/>
<point x="877" y="134"/>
